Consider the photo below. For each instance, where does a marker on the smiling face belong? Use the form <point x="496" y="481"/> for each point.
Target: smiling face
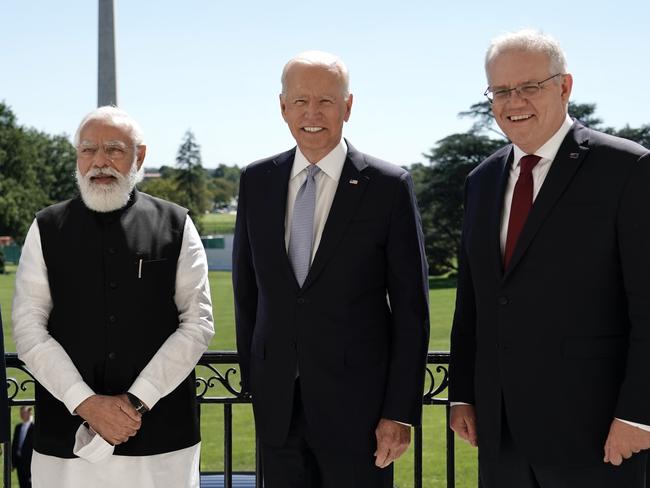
<point x="528" y="123"/>
<point x="315" y="107"/>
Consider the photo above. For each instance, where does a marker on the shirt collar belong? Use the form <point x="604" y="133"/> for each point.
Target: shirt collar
<point x="331" y="165"/>
<point x="549" y="150"/>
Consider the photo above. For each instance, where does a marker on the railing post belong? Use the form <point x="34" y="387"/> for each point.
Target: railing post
<point x="451" y="463"/>
<point x="227" y="445"/>
<point x="259" y="466"/>
<point x="7" y="464"/>
<point x="417" y="462"/>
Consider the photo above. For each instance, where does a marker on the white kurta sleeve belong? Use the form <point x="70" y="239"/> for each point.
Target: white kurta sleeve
<point x="42" y="354"/>
<point x="181" y="351"/>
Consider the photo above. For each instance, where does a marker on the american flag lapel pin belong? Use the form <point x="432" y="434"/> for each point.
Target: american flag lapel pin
<point x="354" y="182"/>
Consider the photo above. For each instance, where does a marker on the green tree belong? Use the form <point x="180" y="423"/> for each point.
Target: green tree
<point x="191" y="179"/>
<point x="165" y="188"/>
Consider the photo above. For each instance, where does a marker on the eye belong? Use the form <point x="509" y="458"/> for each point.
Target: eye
<point x="87" y="151"/>
<point x="529" y="89"/>
<point x="115" y="152"/>
<point x="300" y="102"/>
<point x="500" y="94"/>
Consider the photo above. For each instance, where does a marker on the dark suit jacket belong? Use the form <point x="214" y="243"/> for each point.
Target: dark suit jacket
<point x="561" y="339"/>
<point x="23" y="461"/>
<point x="360" y="357"/>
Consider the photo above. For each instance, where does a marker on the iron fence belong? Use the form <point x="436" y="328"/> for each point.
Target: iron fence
<point x="217" y="383"/>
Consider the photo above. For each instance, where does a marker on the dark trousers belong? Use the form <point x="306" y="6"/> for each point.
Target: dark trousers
<point x="299" y="464"/>
<point x="510" y="469"/>
<point x="23" y="470"/>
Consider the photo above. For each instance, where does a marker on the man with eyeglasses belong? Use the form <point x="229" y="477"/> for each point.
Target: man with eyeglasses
<point x="550" y="353"/>
<point x="111" y="313"/>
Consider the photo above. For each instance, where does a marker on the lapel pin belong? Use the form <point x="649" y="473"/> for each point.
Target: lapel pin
<point x="354" y="182"/>
<point x="574" y="155"/>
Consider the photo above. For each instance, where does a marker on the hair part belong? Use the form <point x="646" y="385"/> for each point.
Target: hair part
<point x="319" y="58"/>
<point x="113" y="116"/>
<point x="528" y="40"/>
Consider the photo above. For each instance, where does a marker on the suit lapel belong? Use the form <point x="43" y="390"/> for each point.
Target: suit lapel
<point x="347" y="198"/>
<point x="279" y="175"/>
<point x="497" y="209"/>
<point x="566" y="163"/>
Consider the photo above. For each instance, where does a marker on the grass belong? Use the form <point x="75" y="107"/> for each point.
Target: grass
<point x="214" y="223"/>
<point x="441" y="296"/>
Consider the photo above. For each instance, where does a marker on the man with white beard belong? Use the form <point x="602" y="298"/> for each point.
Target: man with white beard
<point x="111" y="313"/>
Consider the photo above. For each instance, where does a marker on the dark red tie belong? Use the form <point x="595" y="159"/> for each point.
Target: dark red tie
<point x="522" y="202"/>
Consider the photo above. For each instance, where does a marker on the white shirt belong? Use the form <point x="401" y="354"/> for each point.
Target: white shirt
<point x="52" y="367"/>
<point x="327" y="180"/>
<point x="547" y="152"/>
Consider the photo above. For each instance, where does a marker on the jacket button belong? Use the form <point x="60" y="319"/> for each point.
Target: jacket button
<point x="112" y="355"/>
<point x="503" y="300"/>
<point x="112" y="319"/>
<point x="111" y="250"/>
<point x="301" y="301"/>
<point x="112" y="284"/>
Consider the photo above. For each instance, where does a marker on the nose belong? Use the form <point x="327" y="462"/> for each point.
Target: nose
<point x="101" y="158"/>
<point x="313" y="108"/>
<point x="516" y="99"/>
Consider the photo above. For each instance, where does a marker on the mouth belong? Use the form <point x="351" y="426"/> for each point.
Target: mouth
<point x="103" y="179"/>
<point x="519" y="118"/>
<point x="312" y="130"/>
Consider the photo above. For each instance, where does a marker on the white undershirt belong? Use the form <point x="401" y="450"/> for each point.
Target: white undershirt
<point x="327" y="180"/>
<point x="52" y="367"/>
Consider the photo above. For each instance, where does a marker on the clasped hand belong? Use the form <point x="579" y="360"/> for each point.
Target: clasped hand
<point x="112" y="417"/>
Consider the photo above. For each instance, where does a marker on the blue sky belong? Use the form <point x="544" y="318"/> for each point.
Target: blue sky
<point x="214" y="66"/>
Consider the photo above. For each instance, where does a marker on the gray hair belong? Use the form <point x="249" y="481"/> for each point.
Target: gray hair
<point x="114" y="116"/>
<point x="528" y="40"/>
<point x="319" y="58"/>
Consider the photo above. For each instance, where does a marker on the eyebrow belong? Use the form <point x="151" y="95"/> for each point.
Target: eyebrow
<point x="504" y="87"/>
<point x="116" y="142"/>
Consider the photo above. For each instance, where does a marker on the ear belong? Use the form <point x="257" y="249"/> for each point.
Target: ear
<point x="283" y="107"/>
<point x="348" y="109"/>
<point x="141" y="152"/>
<point x="566" y="86"/>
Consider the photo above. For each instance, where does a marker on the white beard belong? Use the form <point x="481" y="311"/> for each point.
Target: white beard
<point x="108" y="197"/>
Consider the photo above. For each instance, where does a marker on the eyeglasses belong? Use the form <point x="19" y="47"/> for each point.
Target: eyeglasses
<point x="529" y="90"/>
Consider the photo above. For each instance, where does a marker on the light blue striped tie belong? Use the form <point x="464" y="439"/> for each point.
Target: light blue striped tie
<point x="301" y="238"/>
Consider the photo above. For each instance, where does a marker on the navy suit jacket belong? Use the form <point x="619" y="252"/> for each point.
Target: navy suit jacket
<point x="357" y="329"/>
<point x="561" y="338"/>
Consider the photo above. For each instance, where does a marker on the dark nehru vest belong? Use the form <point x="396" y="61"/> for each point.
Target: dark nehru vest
<point x="112" y="278"/>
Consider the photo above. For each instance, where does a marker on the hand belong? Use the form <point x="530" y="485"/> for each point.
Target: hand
<point x="112" y="417"/>
<point x="623" y="441"/>
<point x="393" y="439"/>
<point x="463" y="422"/>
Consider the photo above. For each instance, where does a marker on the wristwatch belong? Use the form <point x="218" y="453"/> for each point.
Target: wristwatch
<point x="137" y="403"/>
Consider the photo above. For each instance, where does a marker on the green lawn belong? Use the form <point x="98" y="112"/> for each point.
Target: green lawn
<point x="441" y="297"/>
<point x="218" y="223"/>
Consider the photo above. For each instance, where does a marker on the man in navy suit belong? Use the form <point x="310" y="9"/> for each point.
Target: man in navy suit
<point x="330" y="283"/>
<point x="22" y="447"/>
<point x="550" y="354"/>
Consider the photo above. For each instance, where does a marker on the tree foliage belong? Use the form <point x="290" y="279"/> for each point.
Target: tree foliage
<point x="36" y="170"/>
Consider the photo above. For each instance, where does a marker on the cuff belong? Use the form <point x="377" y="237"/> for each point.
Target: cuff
<point x="75" y="395"/>
<point x="145" y="391"/>
<point x="635" y="424"/>
<point x="453" y="404"/>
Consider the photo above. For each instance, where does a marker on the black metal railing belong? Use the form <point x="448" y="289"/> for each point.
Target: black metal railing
<point x="217" y="382"/>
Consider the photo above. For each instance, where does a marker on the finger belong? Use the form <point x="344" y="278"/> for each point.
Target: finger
<point x="381" y="456"/>
<point x="129" y="410"/>
<point x="615" y="457"/>
<point x="472" y="436"/>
